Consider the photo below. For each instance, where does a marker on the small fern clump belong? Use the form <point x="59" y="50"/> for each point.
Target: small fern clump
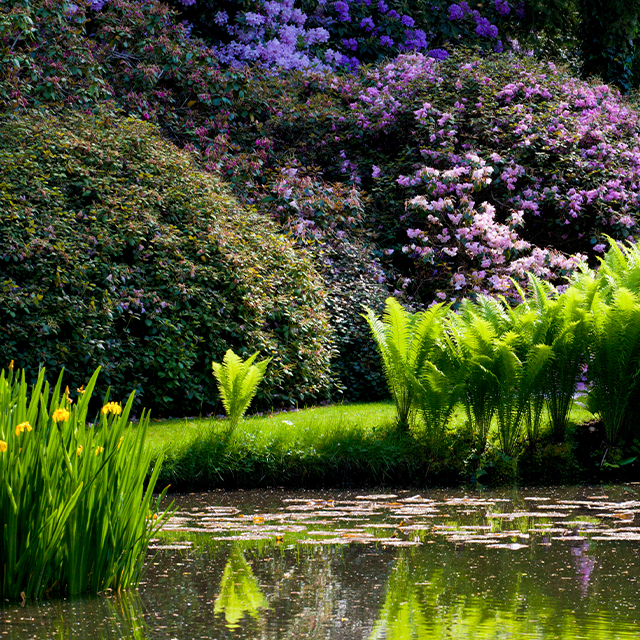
<point x="238" y="382"/>
<point x="615" y="363"/>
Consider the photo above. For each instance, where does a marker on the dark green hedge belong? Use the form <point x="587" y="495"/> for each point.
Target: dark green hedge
<point x="116" y="251"/>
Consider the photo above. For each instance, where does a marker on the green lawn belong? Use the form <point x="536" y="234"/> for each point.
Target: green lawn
<point x="304" y="426"/>
<point x="342" y="444"/>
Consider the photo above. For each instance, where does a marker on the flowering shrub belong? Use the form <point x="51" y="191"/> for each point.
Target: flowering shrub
<point x="384" y="199"/>
<point x="562" y="156"/>
<point x="344" y="33"/>
<point x="464" y="247"/>
<point x="117" y="252"/>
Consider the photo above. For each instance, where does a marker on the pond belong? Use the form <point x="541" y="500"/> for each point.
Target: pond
<point x="559" y="563"/>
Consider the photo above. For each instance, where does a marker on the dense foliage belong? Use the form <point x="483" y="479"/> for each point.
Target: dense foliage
<point x="118" y="252"/>
<point x="433" y="175"/>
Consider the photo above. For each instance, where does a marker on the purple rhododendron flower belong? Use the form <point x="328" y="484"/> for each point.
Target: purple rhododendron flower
<point x="416" y="39"/>
<point x="222" y="17"/>
<point x="393" y="14"/>
<point x="438" y="54"/>
<point x="456" y="12"/>
<point x="317" y="36"/>
<point x="297" y="17"/>
<point x="502" y="7"/>
<point x="498" y="48"/>
<point x="351" y="63"/>
<point x="383" y="7"/>
<point x="188" y="3"/>
<point x="386" y="41"/>
<point x="97" y="5"/>
<point x="485" y="28"/>
<point x="407" y="21"/>
<point x="253" y="19"/>
<point x="519" y="9"/>
<point x="368" y="24"/>
<point x="272" y="8"/>
<point x="350" y="43"/>
<point x="343" y="10"/>
<point x="332" y="57"/>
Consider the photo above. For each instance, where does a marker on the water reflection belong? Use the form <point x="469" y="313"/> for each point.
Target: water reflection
<point x="403" y="615"/>
<point x="240" y="592"/>
<point x="399" y="567"/>
<point x="102" y="618"/>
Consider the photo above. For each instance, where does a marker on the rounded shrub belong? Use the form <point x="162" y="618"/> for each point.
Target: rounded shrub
<point x="117" y="252"/>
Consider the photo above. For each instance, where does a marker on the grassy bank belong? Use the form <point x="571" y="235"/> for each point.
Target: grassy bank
<point x="359" y="445"/>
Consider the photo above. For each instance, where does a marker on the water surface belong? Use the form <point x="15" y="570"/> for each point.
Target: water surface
<point x="330" y="565"/>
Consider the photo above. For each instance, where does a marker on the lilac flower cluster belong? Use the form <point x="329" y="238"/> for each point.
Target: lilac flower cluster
<point x="473" y="251"/>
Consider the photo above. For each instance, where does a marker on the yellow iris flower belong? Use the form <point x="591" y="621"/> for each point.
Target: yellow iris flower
<point x="60" y="415"/>
<point x="112" y="407"/>
<point x="23" y="426"/>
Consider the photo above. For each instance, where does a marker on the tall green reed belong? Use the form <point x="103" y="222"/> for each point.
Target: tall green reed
<point x="74" y="514"/>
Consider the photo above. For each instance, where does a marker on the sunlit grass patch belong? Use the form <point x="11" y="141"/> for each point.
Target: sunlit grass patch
<point x="342" y="444"/>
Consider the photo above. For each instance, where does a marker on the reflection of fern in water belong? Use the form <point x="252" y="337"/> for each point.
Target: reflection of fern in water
<point x="403" y="616"/>
<point x="240" y="592"/>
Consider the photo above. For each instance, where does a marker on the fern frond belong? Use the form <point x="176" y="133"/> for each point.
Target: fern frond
<point x="615" y="363"/>
<point x="238" y="382"/>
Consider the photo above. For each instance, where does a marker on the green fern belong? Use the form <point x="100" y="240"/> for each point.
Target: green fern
<point x="474" y="332"/>
<point x="406" y="342"/>
<point x="615" y="362"/>
<point x="560" y="322"/>
<point x="503" y="364"/>
<point x="238" y="382"/>
<point x="620" y="267"/>
<point x="518" y="382"/>
<point x="438" y="389"/>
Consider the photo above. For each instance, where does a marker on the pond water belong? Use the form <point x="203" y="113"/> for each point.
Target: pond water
<point x="559" y="563"/>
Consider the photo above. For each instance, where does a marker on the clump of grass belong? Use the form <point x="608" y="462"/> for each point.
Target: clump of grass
<point x="74" y="514"/>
